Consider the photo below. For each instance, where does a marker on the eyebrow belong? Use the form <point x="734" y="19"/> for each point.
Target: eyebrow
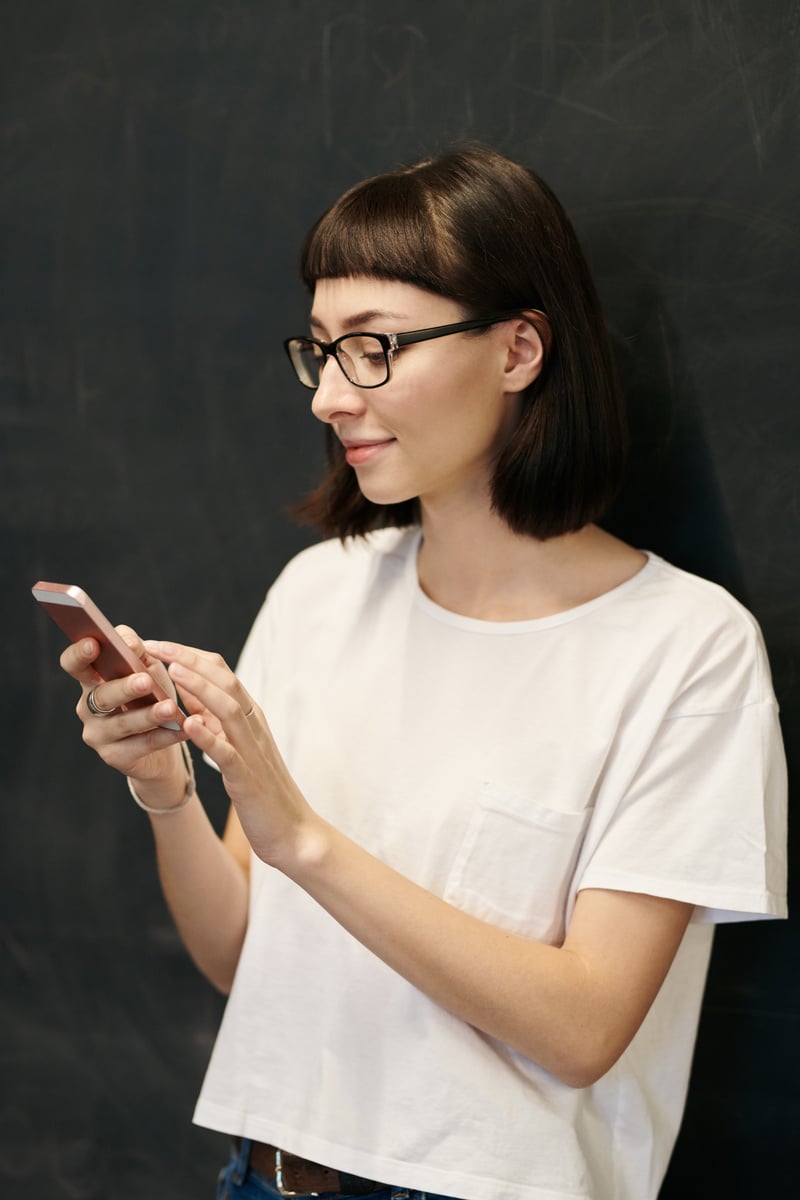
<point x="359" y="320"/>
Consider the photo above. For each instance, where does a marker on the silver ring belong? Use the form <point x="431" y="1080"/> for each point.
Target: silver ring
<point x="94" y="708"/>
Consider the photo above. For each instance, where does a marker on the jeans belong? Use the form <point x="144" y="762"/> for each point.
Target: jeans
<point x="238" y="1181"/>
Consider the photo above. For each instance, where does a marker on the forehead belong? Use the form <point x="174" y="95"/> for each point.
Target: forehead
<point x="383" y="305"/>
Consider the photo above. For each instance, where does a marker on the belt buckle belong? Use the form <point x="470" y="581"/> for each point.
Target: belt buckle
<point x="284" y="1191"/>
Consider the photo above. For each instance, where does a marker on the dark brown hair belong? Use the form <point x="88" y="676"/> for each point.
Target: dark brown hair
<point x="486" y="232"/>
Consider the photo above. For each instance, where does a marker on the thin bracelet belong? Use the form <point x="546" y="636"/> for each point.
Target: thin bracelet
<point x="189" y="792"/>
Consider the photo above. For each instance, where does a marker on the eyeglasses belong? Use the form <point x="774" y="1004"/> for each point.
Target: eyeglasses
<point x="365" y="359"/>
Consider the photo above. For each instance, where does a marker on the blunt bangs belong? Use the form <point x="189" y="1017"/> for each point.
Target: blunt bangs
<point x="385" y="228"/>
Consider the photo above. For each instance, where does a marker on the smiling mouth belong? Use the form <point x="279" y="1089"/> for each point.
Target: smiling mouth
<point x="357" y="453"/>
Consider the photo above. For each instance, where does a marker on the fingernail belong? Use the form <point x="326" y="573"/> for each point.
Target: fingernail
<point x="164" y="709"/>
<point x="177" y="671"/>
<point x="86" y="648"/>
<point x="141" y="683"/>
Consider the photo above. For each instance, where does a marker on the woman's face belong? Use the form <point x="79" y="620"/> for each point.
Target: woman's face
<point x="435" y="428"/>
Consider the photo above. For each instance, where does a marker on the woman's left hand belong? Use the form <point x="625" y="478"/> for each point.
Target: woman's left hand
<point x="228" y="726"/>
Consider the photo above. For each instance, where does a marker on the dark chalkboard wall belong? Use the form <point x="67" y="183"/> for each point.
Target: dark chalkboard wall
<point x="160" y="164"/>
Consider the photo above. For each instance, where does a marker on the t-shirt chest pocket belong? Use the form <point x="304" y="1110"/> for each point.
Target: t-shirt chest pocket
<point x="515" y="863"/>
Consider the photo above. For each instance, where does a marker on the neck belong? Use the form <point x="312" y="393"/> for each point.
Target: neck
<point x="473" y="564"/>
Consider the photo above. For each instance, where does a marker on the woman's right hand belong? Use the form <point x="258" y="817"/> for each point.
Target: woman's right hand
<point x="134" y="741"/>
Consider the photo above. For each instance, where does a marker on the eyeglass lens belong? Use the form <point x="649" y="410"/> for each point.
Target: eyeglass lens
<point x="361" y="357"/>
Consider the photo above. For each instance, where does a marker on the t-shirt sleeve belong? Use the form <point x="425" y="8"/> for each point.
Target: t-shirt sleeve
<point x="704" y="817"/>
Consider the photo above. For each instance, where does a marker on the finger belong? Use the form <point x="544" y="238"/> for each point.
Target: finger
<point x="114" y="693"/>
<point x="194" y="706"/>
<point x="188" y="663"/>
<point x="154" y="666"/>
<point x="78" y="659"/>
<point x="125" y="727"/>
<point x="190" y="655"/>
<point x="210" y="666"/>
<point x="132" y="639"/>
<point x="126" y="753"/>
<point x="219" y="749"/>
<point x="228" y="701"/>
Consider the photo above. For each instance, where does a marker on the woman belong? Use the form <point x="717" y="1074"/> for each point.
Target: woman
<point x="494" y="774"/>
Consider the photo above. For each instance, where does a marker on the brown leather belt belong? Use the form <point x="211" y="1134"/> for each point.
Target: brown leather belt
<point x="294" y="1176"/>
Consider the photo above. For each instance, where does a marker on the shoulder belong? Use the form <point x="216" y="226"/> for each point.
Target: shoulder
<point x="697" y="605"/>
<point x="337" y="575"/>
<point x="703" y="627"/>
<point x="347" y="562"/>
<point x="328" y="586"/>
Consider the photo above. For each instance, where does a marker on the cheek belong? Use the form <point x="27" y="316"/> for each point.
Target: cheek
<point x="441" y="394"/>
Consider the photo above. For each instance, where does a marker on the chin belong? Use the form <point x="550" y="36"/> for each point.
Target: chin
<point x="378" y="494"/>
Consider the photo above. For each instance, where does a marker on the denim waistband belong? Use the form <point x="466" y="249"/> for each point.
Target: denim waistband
<point x="238" y="1181"/>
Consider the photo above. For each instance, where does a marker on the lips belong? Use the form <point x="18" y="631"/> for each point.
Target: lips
<point x="359" y="451"/>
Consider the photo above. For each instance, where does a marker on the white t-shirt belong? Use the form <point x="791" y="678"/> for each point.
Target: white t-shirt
<point x="630" y="743"/>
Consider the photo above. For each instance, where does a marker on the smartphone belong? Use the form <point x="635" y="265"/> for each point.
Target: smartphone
<point x="78" y="617"/>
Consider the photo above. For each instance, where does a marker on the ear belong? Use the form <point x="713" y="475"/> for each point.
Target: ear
<point x="528" y="341"/>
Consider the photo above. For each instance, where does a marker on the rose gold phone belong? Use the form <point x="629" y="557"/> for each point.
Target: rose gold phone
<point x="74" y="612"/>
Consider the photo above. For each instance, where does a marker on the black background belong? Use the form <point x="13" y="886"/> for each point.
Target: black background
<point x="160" y="165"/>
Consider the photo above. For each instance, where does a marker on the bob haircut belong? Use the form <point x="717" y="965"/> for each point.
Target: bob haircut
<point x="486" y="232"/>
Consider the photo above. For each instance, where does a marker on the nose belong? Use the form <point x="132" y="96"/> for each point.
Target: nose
<point x="336" y="397"/>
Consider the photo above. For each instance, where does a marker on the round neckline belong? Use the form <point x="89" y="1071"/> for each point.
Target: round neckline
<point x="530" y="625"/>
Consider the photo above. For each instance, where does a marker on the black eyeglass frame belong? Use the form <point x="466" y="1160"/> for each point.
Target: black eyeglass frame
<point x="390" y="342"/>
